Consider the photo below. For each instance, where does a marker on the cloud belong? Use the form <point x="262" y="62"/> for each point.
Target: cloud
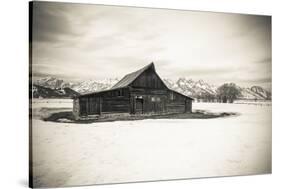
<point x="94" y="41"/>
<point x="50" y="22"/>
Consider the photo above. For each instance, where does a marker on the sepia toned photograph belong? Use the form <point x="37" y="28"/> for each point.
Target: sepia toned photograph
<point x="122" y="94"/>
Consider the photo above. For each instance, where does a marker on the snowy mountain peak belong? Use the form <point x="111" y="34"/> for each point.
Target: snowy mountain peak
<point x="261" y="92"/>
<point x="187" y="86"/>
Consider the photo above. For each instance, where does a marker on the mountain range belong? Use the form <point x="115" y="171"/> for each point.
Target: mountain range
<point x="46" y="92"/>
<point x="189" y="87"/>
<point x="201" y="89"/>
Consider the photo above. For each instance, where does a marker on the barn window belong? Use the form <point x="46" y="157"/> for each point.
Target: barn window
<point x="158" y="99"/>
<point x="120" y="92"/>
<point x="153" y="99"/>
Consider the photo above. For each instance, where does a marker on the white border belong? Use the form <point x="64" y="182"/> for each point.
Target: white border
<point x="14" y="91"/>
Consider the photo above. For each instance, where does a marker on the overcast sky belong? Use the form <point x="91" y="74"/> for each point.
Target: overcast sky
<point x="81" y="42"/>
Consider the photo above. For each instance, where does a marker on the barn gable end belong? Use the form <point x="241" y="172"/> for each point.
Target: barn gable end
<point x="148" y="79"/>
<point x="145" y="78"/>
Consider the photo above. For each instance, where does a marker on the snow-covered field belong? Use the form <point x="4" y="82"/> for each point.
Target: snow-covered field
<point x="52" y="103"/>
<point x="145" y="150"/>
<point x="254" y="102"/>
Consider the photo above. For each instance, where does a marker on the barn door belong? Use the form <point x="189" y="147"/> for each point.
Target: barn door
<point x="83" y="107"/>
<point x="188" y="106"/>
<point x="158" y="104"/>
<point x="139" y="106"/>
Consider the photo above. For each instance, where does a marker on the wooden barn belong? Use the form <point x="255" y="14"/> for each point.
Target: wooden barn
<point x="139" y="92"/>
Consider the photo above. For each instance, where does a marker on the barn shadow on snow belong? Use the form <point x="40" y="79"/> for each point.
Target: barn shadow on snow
<point x="68" y="117"/>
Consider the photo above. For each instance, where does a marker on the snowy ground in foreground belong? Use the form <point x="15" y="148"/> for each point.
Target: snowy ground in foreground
<point x="127" y="151"/>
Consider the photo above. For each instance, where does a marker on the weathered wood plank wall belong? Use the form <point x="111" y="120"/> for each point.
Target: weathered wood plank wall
<point x="146" y="94"/>
<point x="149" y="79"/>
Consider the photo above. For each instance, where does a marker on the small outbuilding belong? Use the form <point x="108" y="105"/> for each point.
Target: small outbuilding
<point x="140" y="92"/>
